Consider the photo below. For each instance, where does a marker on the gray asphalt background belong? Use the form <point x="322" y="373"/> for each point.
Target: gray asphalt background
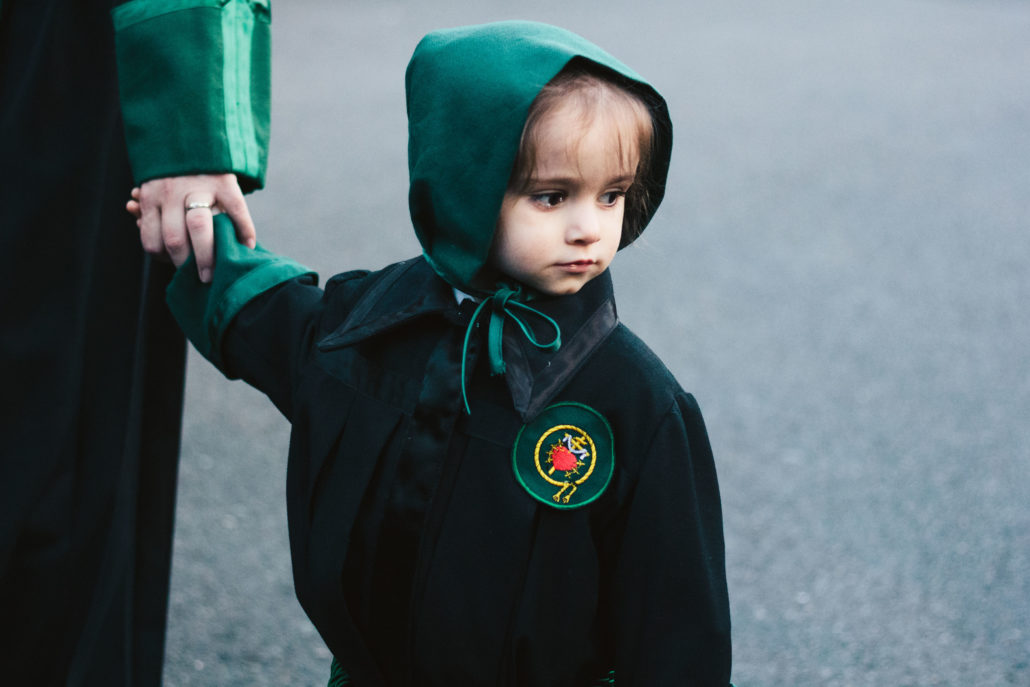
<point x="839" y="273"/>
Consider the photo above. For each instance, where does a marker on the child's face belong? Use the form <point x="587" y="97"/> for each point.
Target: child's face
<point x="564" y="228"/>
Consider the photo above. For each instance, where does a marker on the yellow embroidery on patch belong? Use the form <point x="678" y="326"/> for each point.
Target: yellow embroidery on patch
<point x="571" y="444"/>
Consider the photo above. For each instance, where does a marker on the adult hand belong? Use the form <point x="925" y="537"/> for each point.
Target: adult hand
<point x="174" y="216"/>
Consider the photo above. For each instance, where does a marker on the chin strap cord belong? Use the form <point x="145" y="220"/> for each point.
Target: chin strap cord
<point x="503" y="304"/>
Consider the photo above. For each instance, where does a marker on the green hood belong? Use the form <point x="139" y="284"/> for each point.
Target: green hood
<point x="468" y="91"/>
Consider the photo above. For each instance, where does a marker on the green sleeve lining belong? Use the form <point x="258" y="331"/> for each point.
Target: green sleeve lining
<point x="205" y="311"/>
<point x="194" y="79"/>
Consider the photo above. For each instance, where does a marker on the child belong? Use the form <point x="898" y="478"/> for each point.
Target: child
<point x="491" y="481"/>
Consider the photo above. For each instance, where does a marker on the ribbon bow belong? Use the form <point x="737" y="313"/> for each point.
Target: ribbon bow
<point x="503" y="304"/>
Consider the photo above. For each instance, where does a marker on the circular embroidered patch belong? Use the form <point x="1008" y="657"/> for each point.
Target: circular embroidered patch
<point x="566" y="456"/>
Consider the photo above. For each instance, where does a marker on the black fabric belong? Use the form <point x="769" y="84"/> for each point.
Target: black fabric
<point x="92" y="368"/>
<point x="416" y="553"/>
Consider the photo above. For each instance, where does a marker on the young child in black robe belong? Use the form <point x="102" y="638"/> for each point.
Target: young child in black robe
<point x="491" y="480"/>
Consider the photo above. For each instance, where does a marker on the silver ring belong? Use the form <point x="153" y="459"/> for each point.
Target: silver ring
<point x="197" y="206"/>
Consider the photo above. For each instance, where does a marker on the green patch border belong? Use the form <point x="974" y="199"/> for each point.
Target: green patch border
<point x="541" y="419"/>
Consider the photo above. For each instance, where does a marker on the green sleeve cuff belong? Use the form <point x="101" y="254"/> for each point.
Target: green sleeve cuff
<point x="194" y="78"/>
<point x="205" y="311"/>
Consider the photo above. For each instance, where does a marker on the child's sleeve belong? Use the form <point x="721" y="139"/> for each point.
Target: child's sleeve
<point x="671" y="615"/>
<point x="277" y="299"/>
<point x="194" y="82"/>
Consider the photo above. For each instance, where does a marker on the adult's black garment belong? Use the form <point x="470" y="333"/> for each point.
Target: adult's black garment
<point x="91" y="361"/>
<point x="417" y="553"/>
<point x="93" y="369"/>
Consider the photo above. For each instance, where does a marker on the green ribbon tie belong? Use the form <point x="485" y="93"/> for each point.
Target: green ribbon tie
<point x="503" y="304"/>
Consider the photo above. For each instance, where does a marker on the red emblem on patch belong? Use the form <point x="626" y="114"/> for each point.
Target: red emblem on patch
<point x="562" y="458"/>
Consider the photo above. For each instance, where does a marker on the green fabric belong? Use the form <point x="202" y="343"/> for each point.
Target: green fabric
<point x="338" y="677"/>
<point x="200" y="102"/>
<point x="468" y="91"/>
<point x="204" y="311"/>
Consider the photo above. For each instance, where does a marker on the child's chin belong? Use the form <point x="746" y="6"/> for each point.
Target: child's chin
<point x="563" y="289"/>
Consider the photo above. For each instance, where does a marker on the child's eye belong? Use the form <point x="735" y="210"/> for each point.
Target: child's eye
<point x="548" y="200"/>
<point x="611" y="197"/>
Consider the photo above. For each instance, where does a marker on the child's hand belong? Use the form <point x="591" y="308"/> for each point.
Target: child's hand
<point x="174" y="216"/>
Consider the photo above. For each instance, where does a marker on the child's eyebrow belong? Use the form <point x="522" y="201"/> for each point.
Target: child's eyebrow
<point x="573" y="181"/>
<point x="623" y="179"/>
<point x="557" y="181"/>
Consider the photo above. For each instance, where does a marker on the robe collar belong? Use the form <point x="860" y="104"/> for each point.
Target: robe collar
<point x="410" y="290"/>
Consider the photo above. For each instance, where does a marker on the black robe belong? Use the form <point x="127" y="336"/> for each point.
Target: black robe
<point x="92" y="368"/>
<point x="417" y="553"/>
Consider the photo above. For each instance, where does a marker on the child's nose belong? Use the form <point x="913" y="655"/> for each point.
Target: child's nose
<point x="585" y="226"/>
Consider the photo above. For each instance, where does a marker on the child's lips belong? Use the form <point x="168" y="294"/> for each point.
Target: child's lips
<point x="577" y="265"/>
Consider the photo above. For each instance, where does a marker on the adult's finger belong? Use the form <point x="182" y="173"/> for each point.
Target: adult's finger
<point x="173" y="232"/>
<point x="133" y="206"/>
<point x="230" y="200"/>
<point x="200" y="227"/>
<point x="150" y="222"/>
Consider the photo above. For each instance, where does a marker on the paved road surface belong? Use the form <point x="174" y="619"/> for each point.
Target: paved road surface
<point x="839" y="275"/>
